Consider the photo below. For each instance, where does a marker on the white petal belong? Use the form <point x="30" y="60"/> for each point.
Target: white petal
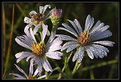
<point x="69" y="28"/>
<point x="105" y="43"/>
<point x="72" y="47"/>
<point x="23" y="55"/>
<point x="54" y="55"/>
<point x="31" y="67"/>
<point x="18" y="55"/>
<point x="48" y="15"/>
<point x="46" y="65"/>
<point x="75" y="57"/>
<point x="102" y="51"/>
<point x="96" y="25"/>
<point x="22" y="44"/>
<point x="39" y="66"/>
<point x="27" y="20"/>
<point x="92" y="22"/>
<point x="26" y="30"/>
<point x="36" y="29"/>
<point x="54" y="48"/>
<point x="89" y="52"/>
<point x="89" y="22"/>
<point x="52" y="36"/>
<point x="50" y="39"/>
<point x="17" y="76"/>
<point x="78" y="25"/>
<point x="36" y="72"/>
<point x="43" y="76"/>
<point x="38" y="61"/>
<point x="45" y="7"/>
<point x="78" y="54"/>
<point x="48" y="32"/>
<point x="31" y="56"/>
<point x="97" y="28"/>
<point x="55" y="45"/>
<point x="26" y="40"/>
<point x="67" y="44"/>
<point x="75" y="27"/>
<point x="32" y="12"/>
<point x="104" y="28"/>
<point x="41" y="9"/>
<point x="101" y="35"/>
<point x="44" y="31"/>
<point x="65" y="37"/>
<point x="32" y="34"/>
<point x="94" y="51"/>
<point x="60" y="28"/>
<point x="100" y="29"/>
<point x="101" y="47"/>
<point x="21" y="70"/>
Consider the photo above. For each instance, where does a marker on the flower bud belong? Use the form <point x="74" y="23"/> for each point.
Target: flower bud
<point x="55" y="16"/>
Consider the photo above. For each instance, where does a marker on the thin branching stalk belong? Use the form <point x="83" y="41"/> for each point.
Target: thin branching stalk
<point x="10" y="42"/>
<point x="54" y="28"/>
<point x="99" y="65"/>
<point x="4" y="31"/>
<point x="4" y="35"/>
<point x="19" y="7"/>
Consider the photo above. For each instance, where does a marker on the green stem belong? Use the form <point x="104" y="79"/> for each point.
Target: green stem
<point x="46" y="73"/>
<point x="54" y="28"/>
<point x="65" y="65"/>
<point x="91" y="74"/>
<point x="111" y="71"/>
<point x="50" y="74"/>
<point x="99" y="65"/>
<point x="75" y="68"/>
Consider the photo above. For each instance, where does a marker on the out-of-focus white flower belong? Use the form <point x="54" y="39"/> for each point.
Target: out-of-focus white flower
<point x="31" y="75"/>
<point x="37" y="19"/>
<point x="86" y="40"/>
<point x="39" y="50"/>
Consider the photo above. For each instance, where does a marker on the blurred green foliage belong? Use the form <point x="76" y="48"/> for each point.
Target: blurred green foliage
<point x="107" y="12"/>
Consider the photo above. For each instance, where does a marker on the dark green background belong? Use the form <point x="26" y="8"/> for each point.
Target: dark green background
<point x="107" y="12"/>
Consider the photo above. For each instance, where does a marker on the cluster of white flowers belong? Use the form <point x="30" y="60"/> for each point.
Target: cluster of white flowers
<point x="81" y="41"/>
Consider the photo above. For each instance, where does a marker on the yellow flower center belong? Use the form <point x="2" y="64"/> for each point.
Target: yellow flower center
<point x="38" y="18"/>
<point x="30" y="77"/>
<point x="38" y="48"/>
<point x="84" y="38"/>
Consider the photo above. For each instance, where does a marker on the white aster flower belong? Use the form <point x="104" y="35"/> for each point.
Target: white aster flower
<point x="39" y="50"/>
<point x="37" y="19"/>
<point x="86" y="40"/>
<point x="31" y="75"/>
